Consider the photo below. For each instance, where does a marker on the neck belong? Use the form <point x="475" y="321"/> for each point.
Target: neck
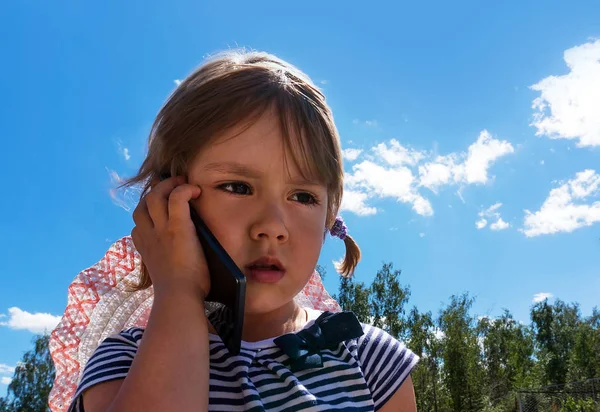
<point x="286" y="319"/>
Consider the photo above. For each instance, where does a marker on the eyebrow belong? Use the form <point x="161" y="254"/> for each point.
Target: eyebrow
<point x="232" y="168"/>
<point x="245" y="171"/>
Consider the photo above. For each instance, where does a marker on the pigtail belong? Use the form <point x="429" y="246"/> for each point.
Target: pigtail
<point x="145" y="280"/>
<point x="351" y="258"/>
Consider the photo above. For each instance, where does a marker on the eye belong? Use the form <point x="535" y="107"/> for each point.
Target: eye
<point x="237" y="188"/>
<point x="305" y="198"/>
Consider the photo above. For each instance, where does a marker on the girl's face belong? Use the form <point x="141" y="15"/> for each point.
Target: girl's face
<point x="261" y="210"/>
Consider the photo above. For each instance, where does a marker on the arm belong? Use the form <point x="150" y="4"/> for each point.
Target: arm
<point x="403" y="400"/>
<point x="170" y="370"/>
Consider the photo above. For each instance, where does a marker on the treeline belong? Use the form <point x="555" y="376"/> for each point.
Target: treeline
<point x="471" y="363"/>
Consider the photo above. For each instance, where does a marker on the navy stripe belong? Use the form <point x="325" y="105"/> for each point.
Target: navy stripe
<point x="394" y="381"/>
<point x="355" y="374"/>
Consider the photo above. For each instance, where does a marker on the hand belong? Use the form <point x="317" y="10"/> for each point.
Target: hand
<point x="166" y="238"/>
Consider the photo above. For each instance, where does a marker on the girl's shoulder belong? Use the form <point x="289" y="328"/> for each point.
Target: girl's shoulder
<point x="384" y="361"/>
<point x="111" y="360"/>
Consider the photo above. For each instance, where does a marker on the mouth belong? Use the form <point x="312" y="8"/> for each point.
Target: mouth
<point x="265" y="270"/>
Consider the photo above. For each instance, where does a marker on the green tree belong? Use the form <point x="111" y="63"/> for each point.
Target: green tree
<point x="354" y="297"/>
<point x="426" y="376"/>
<point x="322" y="271"/>
<point x="555" y="326"/>
<point x="388" y="299"/>
<point x="585" y="360"/>
<point x="32" y="381"/>
<point x="507" y="358"/>
<point x="463" y="373"/>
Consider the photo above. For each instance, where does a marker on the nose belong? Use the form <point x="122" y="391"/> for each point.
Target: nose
<point x="270" y="226"/>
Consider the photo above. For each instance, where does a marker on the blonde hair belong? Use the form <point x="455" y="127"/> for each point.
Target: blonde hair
<point x="237" y="87"/>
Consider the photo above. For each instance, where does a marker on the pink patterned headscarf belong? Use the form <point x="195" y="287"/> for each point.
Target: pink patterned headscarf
<point x="100" y="305"/>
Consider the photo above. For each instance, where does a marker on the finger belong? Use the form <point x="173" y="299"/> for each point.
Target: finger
<point x="141" y="217"/>
<point x="179" y="206"/>
<point x="136" y="238"/>
<point x="158" y="200"/>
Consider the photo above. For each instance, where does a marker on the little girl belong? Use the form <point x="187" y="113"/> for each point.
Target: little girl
<point x="251" y="144"/>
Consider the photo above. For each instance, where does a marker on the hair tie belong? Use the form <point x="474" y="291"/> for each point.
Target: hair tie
<point x="339" y="228"/>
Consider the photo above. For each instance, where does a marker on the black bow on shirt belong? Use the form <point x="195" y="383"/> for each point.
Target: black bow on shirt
<point x="329" y="330"/>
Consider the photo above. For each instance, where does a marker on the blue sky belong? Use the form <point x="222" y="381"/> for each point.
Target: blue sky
<point x="473" y="146"/>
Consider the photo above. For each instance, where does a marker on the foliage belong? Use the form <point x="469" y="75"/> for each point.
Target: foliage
<point x="32" y="381"/>
<point x="470" y="364"/>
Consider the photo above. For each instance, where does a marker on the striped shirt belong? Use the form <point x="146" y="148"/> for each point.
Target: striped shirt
<point x="359" y="375"/>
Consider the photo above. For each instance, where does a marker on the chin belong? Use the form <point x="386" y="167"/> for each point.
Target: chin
<point x="265" y="298"/>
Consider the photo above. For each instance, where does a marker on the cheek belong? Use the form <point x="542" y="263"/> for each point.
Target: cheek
<point x="308" y="238"/>
<point x="225" y="223"/>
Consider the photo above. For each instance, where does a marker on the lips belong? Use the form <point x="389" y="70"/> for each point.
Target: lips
<point x="266" y="269"/>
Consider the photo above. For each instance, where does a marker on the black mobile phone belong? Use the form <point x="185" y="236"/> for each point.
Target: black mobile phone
<point x="227" y="295"/>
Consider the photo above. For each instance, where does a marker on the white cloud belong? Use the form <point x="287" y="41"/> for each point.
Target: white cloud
<point x="123" y="151"/>
<point x="398" y="155"/>
<point x="567" y="107"/>
<point x="421" y="234"/>
<point x="482" y="154"/>
<point x="398" y="183"/>
<point x="114" y="176"/>
<point x="391" y="170"/>
<point x="5" y="380"/>
<point x="565" y="209"/>
<point x="494" y="207"/>
<point x="355" y="202"/>
<point x="540" y="297"/>
<point x="481" y="223"/>
<point x="33" y="322"/>
<point x="124" y="198"/>
<point x="177" y="82"/>
<point x="422" y="206"/>
<point x="338" y="263"/>
<point x="542" y="162"/>
<point x="6" y="370"/>
<point x="500" y="225"/>
<point x="324" y="81"/>
<point x="435" y="174"/>
<point x="492" y="213"/>
<point x="351" y="154"/>
<point x="465" y="168"/>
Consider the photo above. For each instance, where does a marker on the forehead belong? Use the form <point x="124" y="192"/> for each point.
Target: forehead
<point x="258" y="144"/>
